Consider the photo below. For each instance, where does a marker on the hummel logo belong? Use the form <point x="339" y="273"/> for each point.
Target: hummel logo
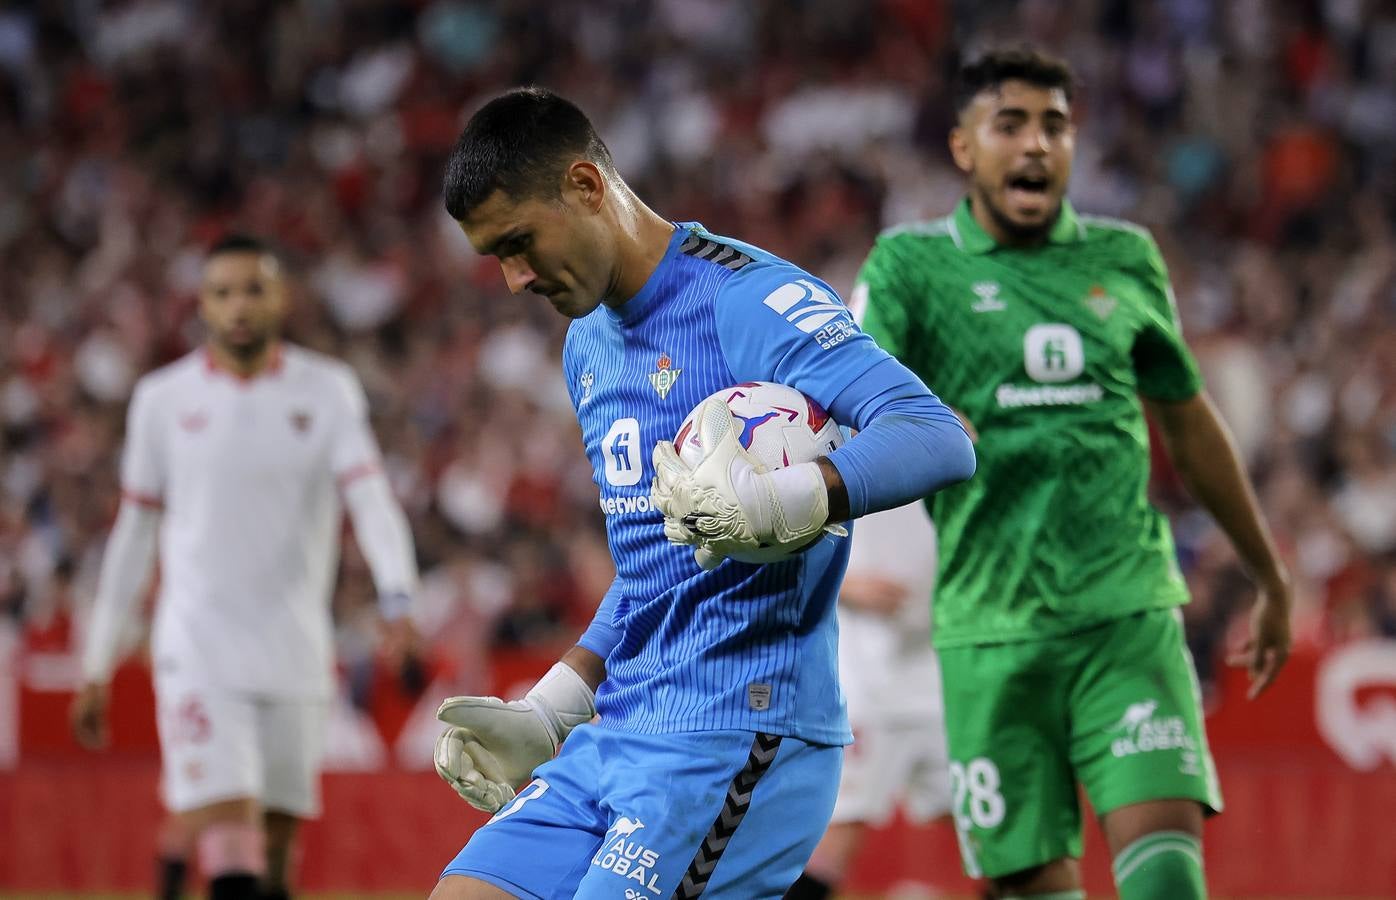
<point x="586" y="381"/>
<point x="988" y="294"/>
<point x="805" y="304"/>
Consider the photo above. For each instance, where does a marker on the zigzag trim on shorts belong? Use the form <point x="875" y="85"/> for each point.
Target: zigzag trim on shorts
<point x="700" y="871"/>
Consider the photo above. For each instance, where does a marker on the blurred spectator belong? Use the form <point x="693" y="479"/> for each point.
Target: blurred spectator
<point x="132" y="132"/>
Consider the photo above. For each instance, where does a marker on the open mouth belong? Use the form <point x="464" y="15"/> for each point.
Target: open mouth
<point x="1030" y="183"/>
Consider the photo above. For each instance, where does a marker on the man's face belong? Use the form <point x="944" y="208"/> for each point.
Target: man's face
<point x="553" y="247"/>
<point x="242" y="301"/>
<point x="1016" y="143"/>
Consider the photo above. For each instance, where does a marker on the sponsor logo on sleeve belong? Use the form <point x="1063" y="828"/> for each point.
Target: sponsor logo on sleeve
<point x="814" y="311"/>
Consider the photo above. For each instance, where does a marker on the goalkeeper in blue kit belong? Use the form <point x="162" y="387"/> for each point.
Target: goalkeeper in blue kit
<point x="714" y="765"/>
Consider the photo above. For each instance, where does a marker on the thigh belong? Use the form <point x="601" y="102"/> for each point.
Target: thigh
<point x="874" y="768"/>
<point x="542" y="842"/>
<point x="1137" y="725"/>
<point x="789" y="811"/>
<point x="290" y="738"/>
<point x="208" y="745"/>
<point x="927" y="794"/>
<point x="1013" y="792"/>
<point x="721" y="814"/>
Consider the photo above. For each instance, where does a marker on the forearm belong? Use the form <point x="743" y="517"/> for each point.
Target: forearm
<point x="385" y="539"/>
<point x="126" y="567"/>
<point x="1207" y="459"/>
<point x="597" y="642"/>
<point x="839" y="510"/>
<point x="909" y="449"/>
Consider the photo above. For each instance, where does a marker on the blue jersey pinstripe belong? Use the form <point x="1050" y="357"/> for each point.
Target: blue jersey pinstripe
<point x="742" y="647"/>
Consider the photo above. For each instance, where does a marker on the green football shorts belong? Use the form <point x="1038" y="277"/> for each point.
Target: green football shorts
<point x="1116" y="708"/>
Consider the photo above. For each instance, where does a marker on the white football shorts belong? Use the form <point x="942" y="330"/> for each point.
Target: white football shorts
<point x="217" y="744"/>
<point x="898" y="754"/>
<point x="891" y="763"/>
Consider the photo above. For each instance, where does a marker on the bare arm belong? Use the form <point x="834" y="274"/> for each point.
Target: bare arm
<point x="873" y="593"/>
<point x="1204" y="454"/>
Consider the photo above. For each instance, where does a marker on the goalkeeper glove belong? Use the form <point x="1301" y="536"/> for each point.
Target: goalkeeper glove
<point x="494" y="746"/>
<point x="729" y="504"/>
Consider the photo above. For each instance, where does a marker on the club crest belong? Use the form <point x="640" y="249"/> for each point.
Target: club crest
<point x="663" y="379"/>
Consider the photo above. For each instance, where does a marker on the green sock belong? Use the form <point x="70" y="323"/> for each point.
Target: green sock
<point x="1164" y="865"/>
<point x="1055" y="895"/>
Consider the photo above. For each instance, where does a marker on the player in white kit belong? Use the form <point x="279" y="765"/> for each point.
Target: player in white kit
<point x="239" y="461"/>
<point x="891" y="682"/>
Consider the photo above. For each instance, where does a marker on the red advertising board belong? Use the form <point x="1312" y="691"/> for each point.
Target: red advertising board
<point x="1308" y="772"/>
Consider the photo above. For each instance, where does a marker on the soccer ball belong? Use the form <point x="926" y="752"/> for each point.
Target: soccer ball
<point x="779" y="427"/>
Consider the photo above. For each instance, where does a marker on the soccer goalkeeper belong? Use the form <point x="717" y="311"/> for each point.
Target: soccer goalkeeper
<point x="712" y="771"/>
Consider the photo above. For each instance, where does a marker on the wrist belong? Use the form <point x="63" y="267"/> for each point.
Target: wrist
<point x="1276" y="583"/>
<point x="562" y="700"/>
<point x="802" y="497"/>
<point x="840" y="506"/>
<point x="394" y="605"/>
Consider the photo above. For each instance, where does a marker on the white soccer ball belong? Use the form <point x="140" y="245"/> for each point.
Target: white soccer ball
<point x="779" y="427"/>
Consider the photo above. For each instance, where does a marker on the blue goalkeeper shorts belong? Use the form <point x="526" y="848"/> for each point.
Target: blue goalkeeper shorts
<point x="617" y="815"/>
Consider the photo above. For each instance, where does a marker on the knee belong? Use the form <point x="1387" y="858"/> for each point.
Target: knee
<point x="229" y="846"/>
<point x="1126" y="825"/>
<point x="281" y="831"/>
<point x="1058" y="876"/>
<point x="461" y="887"/>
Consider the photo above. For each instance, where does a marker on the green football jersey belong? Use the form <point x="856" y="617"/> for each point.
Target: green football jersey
<point x="1046" y="352"/>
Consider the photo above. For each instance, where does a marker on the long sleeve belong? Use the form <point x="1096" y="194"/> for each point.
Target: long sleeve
<point x="602" y="635"/>
<point x="379" y="524"/>
<point x="383" y="535"/>
<point x="909" y="445"/>
<point x="126" y="568"/>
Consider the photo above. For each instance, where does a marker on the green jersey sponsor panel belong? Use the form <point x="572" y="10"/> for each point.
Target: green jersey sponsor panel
<point x="1046" y="351"/>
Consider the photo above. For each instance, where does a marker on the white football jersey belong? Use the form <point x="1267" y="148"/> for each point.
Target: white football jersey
<point x="248" y="473"/>
<point x="886" y="665"/>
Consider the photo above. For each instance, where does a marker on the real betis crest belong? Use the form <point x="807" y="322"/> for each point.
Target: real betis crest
<point x="664" y="379"/>
<point x="1101" y="303"/>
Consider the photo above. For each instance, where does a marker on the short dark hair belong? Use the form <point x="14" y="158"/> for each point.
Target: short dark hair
<point x="519" y="143"/>
<point x="992" y="68"/>
<point x="238" y="242"/>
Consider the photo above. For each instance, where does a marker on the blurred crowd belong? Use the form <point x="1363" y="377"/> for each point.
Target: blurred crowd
<point x="1255" y="138"/>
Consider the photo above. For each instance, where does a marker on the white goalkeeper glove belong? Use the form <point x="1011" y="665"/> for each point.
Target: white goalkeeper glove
<point x="730" y="504"/>
<point x="494" y="746"/>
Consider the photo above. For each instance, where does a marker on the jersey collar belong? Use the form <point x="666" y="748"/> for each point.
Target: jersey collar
<point x="632" y="309"/>
<point x="272" y="368"/>
<point x="971" y="238"/>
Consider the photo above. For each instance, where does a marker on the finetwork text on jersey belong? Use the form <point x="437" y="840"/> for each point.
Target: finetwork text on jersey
<point x="1011" y="395"/>
<point x="615" y="506"/>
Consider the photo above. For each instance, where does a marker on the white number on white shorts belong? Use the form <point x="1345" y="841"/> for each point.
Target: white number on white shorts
<point x="536" y="789"/>
<point x="977" y="783"/>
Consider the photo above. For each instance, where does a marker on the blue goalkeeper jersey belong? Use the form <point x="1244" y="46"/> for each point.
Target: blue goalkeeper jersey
<point x="743" y="646"/>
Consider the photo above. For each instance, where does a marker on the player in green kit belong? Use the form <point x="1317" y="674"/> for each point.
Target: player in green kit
<point x="1056" y="616"/>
